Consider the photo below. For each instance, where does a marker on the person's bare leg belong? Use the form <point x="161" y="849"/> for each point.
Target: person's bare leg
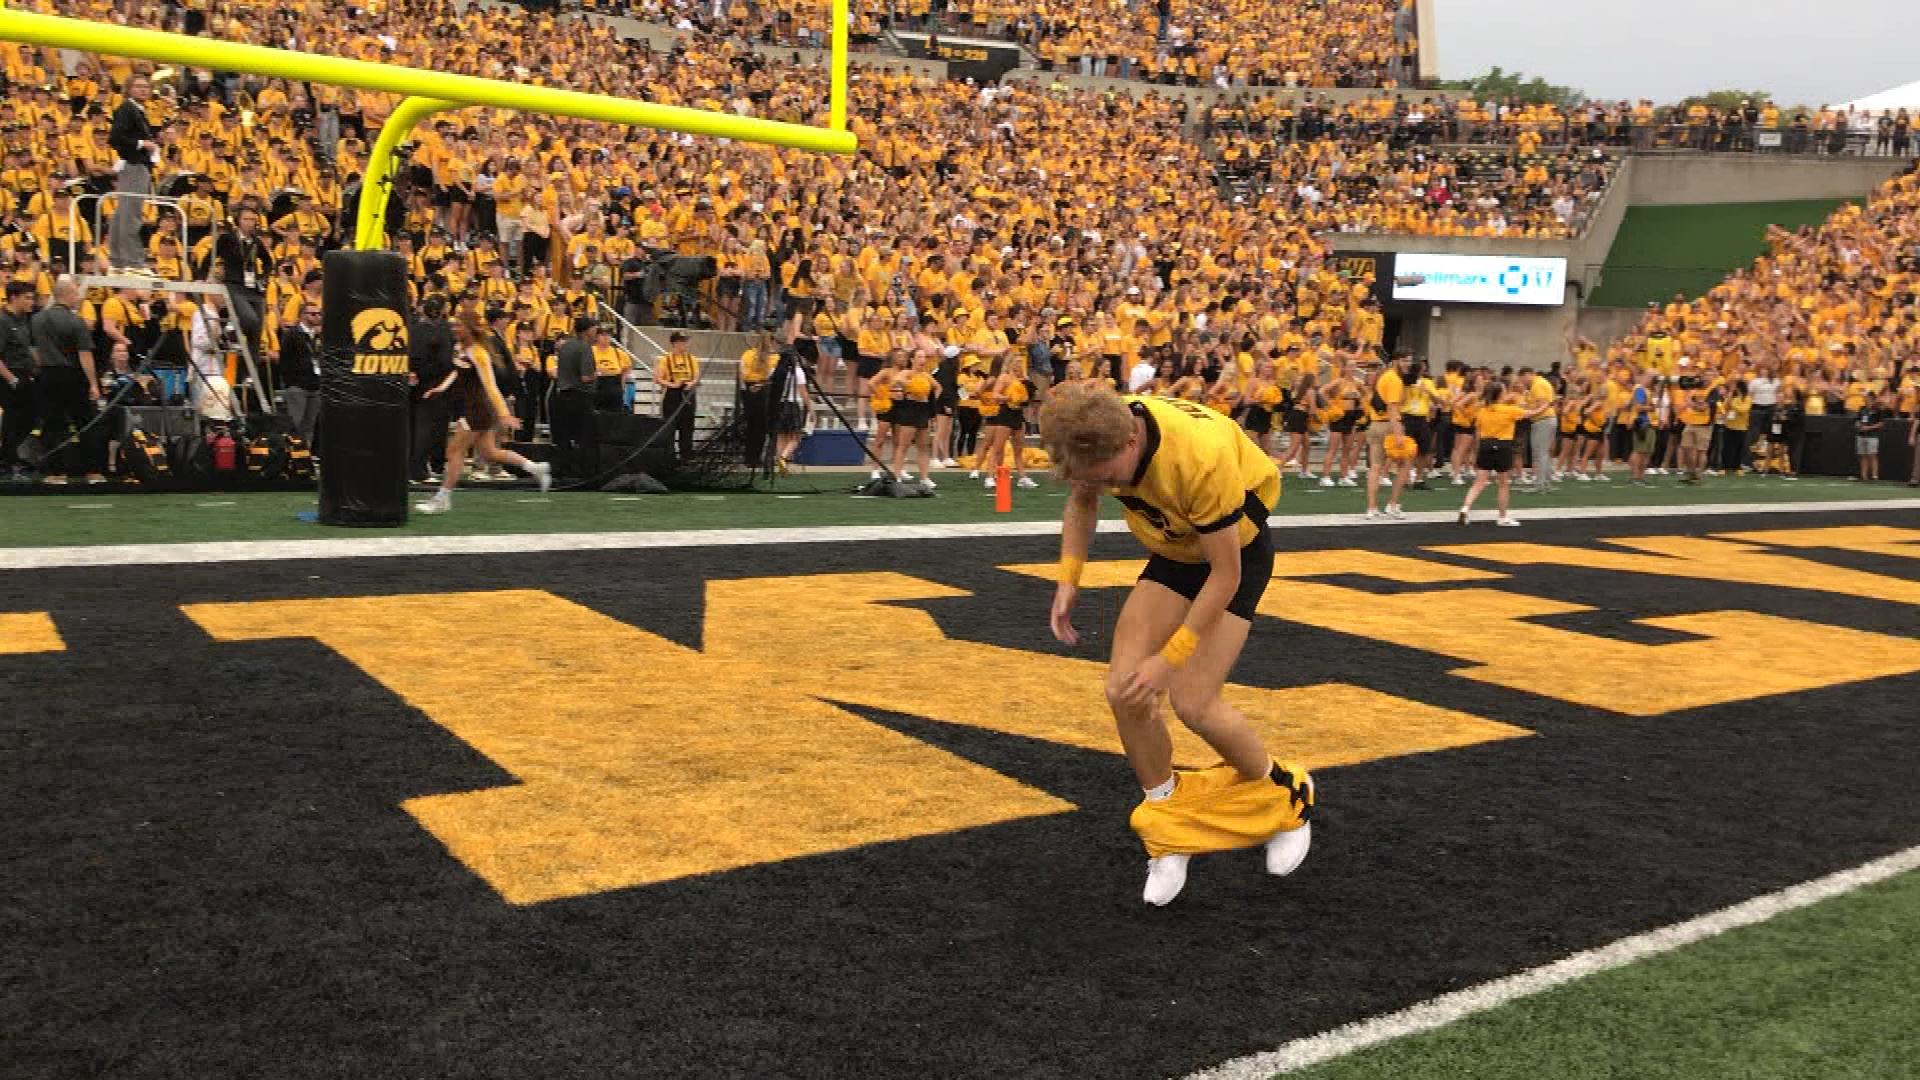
<point x="1196" y="700"/>
<point x="1150" y="616"/>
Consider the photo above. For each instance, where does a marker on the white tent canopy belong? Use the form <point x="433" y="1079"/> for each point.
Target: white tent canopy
<point x="1900" y="97"/>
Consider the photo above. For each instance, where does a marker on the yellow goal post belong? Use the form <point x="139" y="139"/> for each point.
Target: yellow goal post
<point x="425" y="93"/>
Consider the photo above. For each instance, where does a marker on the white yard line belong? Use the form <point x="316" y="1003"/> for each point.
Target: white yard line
<point x="1449" y="1008"/>
<point x="362" y="547"/>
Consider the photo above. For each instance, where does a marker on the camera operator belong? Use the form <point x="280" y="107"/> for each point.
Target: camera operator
<point x="243" y="263"/>
<point x="1693" y="407"/>
<point x="66" y="384"/>
<point x="16" y="373"/>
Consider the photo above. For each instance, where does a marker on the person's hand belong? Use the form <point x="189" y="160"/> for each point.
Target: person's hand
<point x="1061" y="619"/>
<point x="93" y="390"/>
<point x="510" y="423"/>
<point x="1147" y="682"/>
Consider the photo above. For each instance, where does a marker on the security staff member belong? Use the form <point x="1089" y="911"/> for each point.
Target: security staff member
<point x="574" y="445"/>
<point x="16" y="372"/>
<point x="66" y="384"/>
<point x="678" y="376"/>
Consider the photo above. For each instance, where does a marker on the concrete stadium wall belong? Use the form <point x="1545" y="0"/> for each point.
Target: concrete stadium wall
<point x="1606" y="325"/>
<point x="1697" y="179"/>
<point x="1497" y="336"/>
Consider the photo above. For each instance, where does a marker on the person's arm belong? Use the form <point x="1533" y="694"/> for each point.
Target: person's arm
<point x="1221" y="546"/>
<point x="93" y="376"/>
<point x="1076" y="539"/>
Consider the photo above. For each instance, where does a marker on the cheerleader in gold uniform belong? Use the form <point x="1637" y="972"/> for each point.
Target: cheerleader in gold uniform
<point x="1197" y="492"/>
<point x="483" y="415"/>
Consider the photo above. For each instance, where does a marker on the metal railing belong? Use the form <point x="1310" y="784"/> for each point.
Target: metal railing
<point x="163" y="202"/>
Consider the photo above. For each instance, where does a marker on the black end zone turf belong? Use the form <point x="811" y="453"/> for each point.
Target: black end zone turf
<point x="207" y="872"/>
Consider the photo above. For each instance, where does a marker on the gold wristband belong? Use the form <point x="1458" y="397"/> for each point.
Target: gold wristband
<point x="1179" y="648"/>
<point x="1070" y="569"/>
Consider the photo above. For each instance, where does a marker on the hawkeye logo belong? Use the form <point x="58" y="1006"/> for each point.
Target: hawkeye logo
<point x="379" y="342"/>
<point x="641" y="760"/>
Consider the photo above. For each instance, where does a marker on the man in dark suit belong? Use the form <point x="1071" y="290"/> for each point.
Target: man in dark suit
<point x="132" y="138"/>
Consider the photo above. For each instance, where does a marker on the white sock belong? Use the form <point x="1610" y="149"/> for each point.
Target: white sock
<point x="1157" y="794"/>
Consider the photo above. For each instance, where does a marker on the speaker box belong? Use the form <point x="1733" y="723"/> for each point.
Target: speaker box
<point x="162" y="421"/>
<point x="629" y="429"/>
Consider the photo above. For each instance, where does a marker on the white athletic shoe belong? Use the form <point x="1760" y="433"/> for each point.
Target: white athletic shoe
<point x="1371" y="514"/>
<point x="875" y="475"/>
<point x="974" y="475"/>
<point x="989" y="483"/>
<point x="1396" y="513"/>
<point x="906" y="474"/>
<point x="1507" y="523"/>
<point x="1166" y="876"/>
<point x="543" y="475"/>
<point x="1326" y="481"/>
<point x="1348" y="481"/>
<point x="1027" y="482"/>
<point x="1459" y="481"/>
<point x="439" y="504"/>
<point x="1583" y="478"/>
<point x="1386" y="480"/>
<point x="927" y="482"/>
<point x="1287" y="850"/>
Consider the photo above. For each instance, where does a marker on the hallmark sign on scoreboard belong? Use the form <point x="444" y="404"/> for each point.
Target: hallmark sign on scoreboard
<point x="1479" y="279"/>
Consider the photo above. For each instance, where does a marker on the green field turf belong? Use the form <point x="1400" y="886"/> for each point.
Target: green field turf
<point x="75" y="517"/>
<point x="1663" y="250"/>
<point x="1828" y="991"/>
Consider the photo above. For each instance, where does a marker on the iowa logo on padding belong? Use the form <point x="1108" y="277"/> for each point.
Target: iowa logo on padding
<point x="379" y="342"/>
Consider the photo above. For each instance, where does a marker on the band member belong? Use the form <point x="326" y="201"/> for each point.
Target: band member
<point x="1197" y="492"/>
<point x="483" y="413"/>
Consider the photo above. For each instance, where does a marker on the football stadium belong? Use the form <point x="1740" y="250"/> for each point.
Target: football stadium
<point x="945" y="538"/>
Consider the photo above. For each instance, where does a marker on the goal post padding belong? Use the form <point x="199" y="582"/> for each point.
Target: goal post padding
<point x="365" y="401"/>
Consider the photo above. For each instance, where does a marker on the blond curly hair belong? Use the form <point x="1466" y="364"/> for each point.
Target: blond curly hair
<point x="1082" y="425"/>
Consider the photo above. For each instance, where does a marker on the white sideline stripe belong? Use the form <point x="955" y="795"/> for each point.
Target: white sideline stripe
<point x="364" y="547"/>
<point x="1449" y="1008"/>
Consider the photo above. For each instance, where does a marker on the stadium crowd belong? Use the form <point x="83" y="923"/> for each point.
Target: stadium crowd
<point x="987" y="235"/>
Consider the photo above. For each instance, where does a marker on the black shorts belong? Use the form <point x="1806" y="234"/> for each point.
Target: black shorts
<point x="1296" y="422"/>
<point x="866" y="366"/>
<point x="1008" y="418"/>
<point x="1495" y="455"/>
<point x="909" y="414"/>
<point x="788" y="418"/>
<point x="1345" y="424"/>
<point x="1259" y="420"/>
<point x="1256" y="568"/>
<point x="1418" y="429"/>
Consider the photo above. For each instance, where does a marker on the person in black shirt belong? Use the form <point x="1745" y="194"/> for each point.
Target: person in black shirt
<point x="1867" y="425"/>
<point x="300" y="367"/>
<point x="66" y="384"/>
<point x="132" y="138"/>
<point x="574" y="447"/>
<point x="430" y="356"/>
<point x="244" y="265"/>
<point x="16" y="372"/>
